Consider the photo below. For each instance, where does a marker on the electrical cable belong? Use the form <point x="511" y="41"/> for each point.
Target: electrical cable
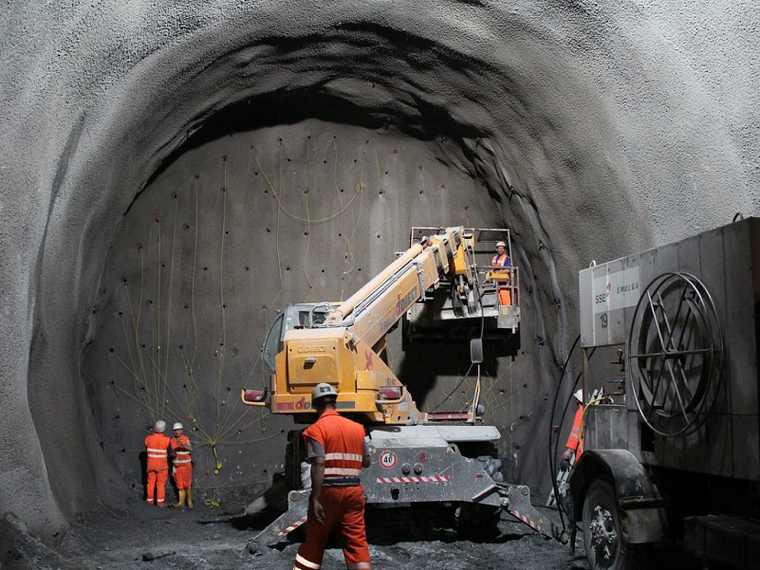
<point x="591" y="403"/>
<point x="482" y="331"/>
<point x="299" y="218"/>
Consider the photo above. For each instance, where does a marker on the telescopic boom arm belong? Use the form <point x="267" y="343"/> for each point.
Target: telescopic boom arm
<point x="346" y="349"/>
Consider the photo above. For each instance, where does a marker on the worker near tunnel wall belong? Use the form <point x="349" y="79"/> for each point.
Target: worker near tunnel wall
<point x="501" y="259"/>
<point x="338" y="451"/>
<point x="182" y="466"/>
<point x="574" y="443"/>
<point x="157" y="448"/>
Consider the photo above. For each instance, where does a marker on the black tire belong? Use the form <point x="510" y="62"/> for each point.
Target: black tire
<point x="602" y="532"/>
<point x="479" y="523"/>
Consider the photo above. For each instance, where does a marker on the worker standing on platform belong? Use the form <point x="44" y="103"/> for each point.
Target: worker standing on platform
<point x="338" y="452"/>
<point x="501" y="259"/>
<point x="157" y="446"/>
<point x="575" y="440"/>
<point x="182" y="466"/>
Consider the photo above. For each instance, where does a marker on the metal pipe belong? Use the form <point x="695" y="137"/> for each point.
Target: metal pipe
<point x="484" y="492"/>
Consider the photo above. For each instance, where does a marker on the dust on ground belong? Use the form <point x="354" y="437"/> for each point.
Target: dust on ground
<point x="146" y="537"/>
<point x="209" y="538"/>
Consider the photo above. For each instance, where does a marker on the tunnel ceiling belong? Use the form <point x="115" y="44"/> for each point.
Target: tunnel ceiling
<point x="592" y="129"/>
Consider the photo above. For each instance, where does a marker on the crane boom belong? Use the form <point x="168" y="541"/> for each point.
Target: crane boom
<point x="375" y="309"/>
<point x="344" y="343"/>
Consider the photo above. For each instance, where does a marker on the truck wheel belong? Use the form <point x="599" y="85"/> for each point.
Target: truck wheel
<point x="602" y="532"/>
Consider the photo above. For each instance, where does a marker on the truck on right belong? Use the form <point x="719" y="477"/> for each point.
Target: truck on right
<point x="671" y="453"/>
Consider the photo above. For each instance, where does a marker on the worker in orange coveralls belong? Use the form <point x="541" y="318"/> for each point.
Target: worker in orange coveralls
<point x="501" y="259"/>
<point x="157" y="446"/>
<point x="182" y="466"/>
<point x="575" y="440"/>
<point x="337" y="451"/>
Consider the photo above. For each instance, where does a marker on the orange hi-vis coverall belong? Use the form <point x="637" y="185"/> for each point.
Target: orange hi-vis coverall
<point x="575" y="440"/>
<point x="157" y="446"/>
<point x="505" y="294"/>
<point x="183" y="463"/>
<point x="342" y="494"/>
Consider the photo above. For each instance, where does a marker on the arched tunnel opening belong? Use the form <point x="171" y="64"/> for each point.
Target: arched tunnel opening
<point x="274" y="200"/>
<point x="172" y="184"/>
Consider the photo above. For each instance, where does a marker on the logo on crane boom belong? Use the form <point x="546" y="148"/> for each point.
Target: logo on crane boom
<point x="403" y="304"/>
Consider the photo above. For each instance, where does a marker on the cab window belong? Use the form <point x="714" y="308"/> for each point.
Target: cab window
<point x="273" y="342"/>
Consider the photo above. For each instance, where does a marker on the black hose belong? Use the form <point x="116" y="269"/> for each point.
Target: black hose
<point x="553" y="453"/>
<point x="482" y="332"/>
<point x="552" y="470"/>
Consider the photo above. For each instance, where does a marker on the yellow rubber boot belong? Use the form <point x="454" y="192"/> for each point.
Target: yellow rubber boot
<point x="181" y="501"/>
<point x="189" y="498"/>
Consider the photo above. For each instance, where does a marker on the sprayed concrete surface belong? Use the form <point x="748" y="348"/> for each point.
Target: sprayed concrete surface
<point x="591" y="129"/>
<point x="222" y="238"/>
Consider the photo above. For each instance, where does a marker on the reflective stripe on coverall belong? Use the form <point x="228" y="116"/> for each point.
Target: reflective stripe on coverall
<point x="342" y="496"/>
<point x="157" y="467"/>
<point x="575" y="440"/>
<point x="505" y="294"/>
<point x="183" y="463"/>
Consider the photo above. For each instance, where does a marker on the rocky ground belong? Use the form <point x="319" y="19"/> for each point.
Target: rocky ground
<point x="216" y="538"/>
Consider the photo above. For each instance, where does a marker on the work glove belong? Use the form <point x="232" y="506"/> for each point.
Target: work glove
<point x="564" y="465"/>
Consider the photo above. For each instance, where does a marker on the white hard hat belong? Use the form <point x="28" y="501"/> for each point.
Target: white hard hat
<point x="160" y="426"/>
<point x="322" y="390"/>
<point x="579" y="396"/>
<point x="501" y="244"/>
<point x="177" y="426"/>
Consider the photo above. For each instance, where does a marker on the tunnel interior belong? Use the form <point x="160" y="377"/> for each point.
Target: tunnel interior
<point x="196" y="170"/>
<point x="215" y="246"/>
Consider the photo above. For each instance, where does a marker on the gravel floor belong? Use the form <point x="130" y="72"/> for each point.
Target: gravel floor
<point x="207" y="538"/>
<point x="211" y="538"/>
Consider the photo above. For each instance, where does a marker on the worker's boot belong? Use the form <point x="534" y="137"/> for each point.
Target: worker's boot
<point x="189" y="493"/>
<point x="181" y="501"/>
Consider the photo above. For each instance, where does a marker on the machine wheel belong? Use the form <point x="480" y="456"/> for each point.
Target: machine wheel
<point x="477" y="522"/>
<point x="602" y="532"/>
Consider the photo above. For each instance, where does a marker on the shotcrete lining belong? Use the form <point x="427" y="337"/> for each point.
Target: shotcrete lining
<point x="559" y="90"/>
<point x="236" y="226"/>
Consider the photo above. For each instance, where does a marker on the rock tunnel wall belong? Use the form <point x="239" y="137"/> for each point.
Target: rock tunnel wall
<point x="216" y="245"/>
<point x="590" y="129"/>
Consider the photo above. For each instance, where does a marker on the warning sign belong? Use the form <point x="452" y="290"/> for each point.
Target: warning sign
<point x="388" y="459"/>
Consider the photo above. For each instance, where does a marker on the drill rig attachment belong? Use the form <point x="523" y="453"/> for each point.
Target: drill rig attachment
<point x="342" y="343"/>
<point x="415" y="458"/>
